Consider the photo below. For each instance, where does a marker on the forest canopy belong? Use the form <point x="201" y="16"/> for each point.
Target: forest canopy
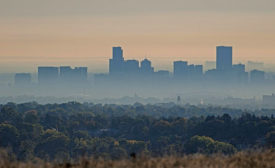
<point x="71" y="130"/>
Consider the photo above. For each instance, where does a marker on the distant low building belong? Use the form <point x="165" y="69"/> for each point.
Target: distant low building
<point x="184" y="71"/>
<point x="162" y="74"/>
<point x="254" y="65"/>
<point x="64" y="75"/>
<point x="146" y="68"/>
<point x="22" y="79"/>
<point x="131" y="67"/>
<point x="180" y="69"/>
<point x="224" y="58"/>
<point x="257" y="76"/>
<point x="269" y="99"/>
<point x="239" y="74"/>
<point x="47" y="75"/>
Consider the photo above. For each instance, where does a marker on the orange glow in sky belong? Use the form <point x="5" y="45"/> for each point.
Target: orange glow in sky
<point x="81" y="33"/>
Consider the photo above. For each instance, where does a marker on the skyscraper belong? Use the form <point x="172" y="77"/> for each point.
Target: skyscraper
<point x="116" y="64"/>
<point x="118" y="54"/>
<point x="224" y="58"/>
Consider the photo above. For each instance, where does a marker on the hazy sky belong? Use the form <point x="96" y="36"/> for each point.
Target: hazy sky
<point x="82" y="32"/>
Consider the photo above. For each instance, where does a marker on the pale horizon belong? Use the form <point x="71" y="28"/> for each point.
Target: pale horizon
<point x="82" y="33"/>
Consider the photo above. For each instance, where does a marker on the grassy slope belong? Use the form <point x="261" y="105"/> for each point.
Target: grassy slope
<point x="256" y="159"/>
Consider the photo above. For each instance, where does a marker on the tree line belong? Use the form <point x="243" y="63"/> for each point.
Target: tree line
<point x="71" y="130"/>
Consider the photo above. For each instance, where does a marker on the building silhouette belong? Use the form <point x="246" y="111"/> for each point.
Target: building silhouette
<point x="47" y="75"/>
<point x="180" y="70"/>
<point x="268" y="99"/>
<point x="239" y="74"/>
<point x="132" y="73"/>
<point x="131" y="67"/>
<point x="224" y="58"/>
<point x="80" y="74"/>
<point x="257" y="76"/>
<point x="116" y="64"/>
<point x="198" y="72"/>
<point x="146" y="67"/>
<point x="64" y="75"/>
<point x="22" y="79"/>
<point x="183" y="71"/>
<point x="161" y="75"/>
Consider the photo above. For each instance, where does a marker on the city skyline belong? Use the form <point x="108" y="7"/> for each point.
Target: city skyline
<point x="137" y="83"/>
<point x="122" y="71"/>
<point x="130" y="76"/>
<point x="168" y="66"/>
<point x="81" y="32"/>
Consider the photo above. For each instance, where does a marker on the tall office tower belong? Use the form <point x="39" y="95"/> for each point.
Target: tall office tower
<point x="224" y="58"/>
<point x="22" y="79"/>
<point x="180" y="69"/>
<point x="257" y="76"/>
<point x="116" y="64"/>
<point x="47" y="75"/>
<point x="118" y="54"/>
<point x="146" y="67"/>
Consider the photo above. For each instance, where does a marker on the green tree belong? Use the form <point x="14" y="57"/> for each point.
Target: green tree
<point x="207" y="145"/>
<point x="270" y="138"/>
<point x="52" y="143"/>
<point x="8" y="135"/>
<point x="31" y="117"/>
<point x="9" y="115"/>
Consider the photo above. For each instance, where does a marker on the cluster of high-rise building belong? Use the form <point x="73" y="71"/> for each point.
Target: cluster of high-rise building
<point x="132" y="70"/>
<point x="48" y="76"/>
<point x="225" y="70"/>
<point x="121" y="69"/>
<point x="118" y="67"/>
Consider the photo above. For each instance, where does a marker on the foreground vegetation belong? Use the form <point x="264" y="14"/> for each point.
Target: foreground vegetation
<point x="71" y="130"/>
<point x="254" y="159"/>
